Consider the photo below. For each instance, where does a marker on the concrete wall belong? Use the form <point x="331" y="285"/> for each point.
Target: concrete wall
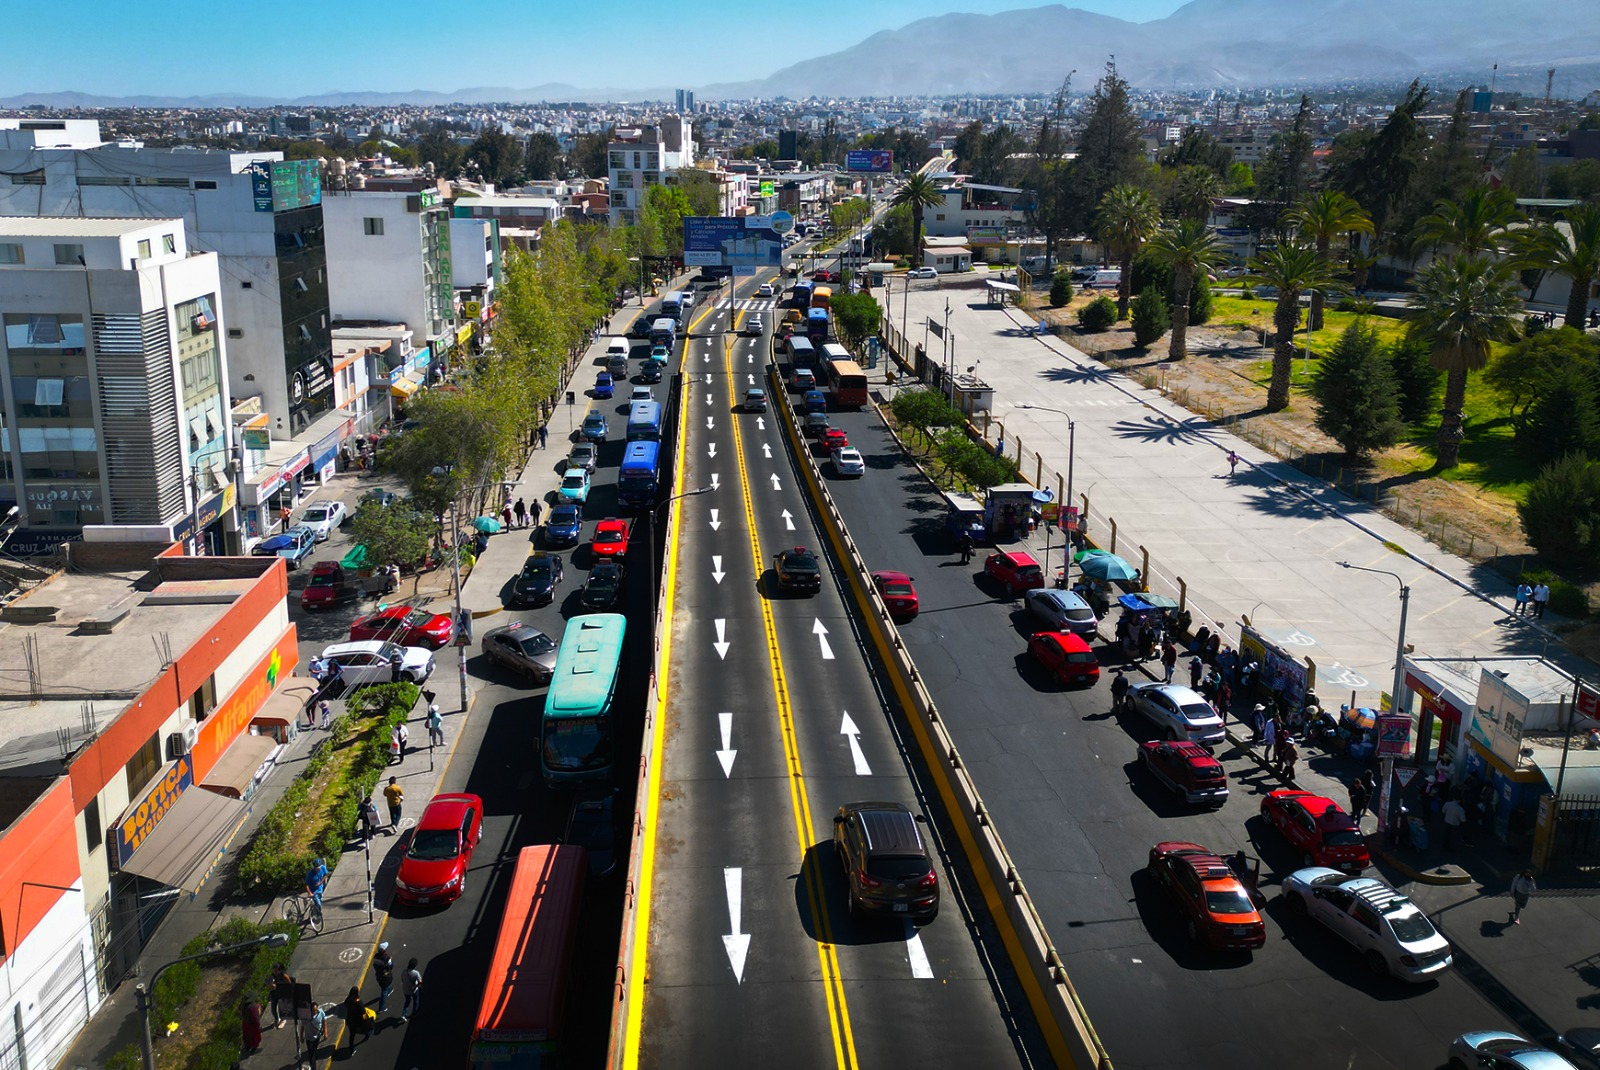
<point x="375" y="276"/>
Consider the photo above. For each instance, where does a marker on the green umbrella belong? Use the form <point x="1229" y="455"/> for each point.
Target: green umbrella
<point x="1081" y="554"/>
<point x="486" y="524"/>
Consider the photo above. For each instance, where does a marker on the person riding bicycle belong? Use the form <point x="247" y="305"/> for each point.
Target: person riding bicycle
<point x="316" y="880"/>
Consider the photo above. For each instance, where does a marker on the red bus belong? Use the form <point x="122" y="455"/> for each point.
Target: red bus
<point x="845" y="377"/>
<point x="519" y="1022"/>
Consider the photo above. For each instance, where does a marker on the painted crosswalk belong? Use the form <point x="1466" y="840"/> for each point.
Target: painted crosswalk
<point x="749" y="304"/>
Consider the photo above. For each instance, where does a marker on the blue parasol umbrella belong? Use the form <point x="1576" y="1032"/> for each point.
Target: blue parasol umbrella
<point x="1360" y="717"/>
<point x="1084" y="554"/>
<point x="1108" y="567"/>
<point x="486" y="524"/>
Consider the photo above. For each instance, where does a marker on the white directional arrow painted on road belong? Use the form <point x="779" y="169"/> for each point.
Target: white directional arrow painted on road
<point x="711" y="423"/>
<point x="716" y="568"/>
<point x="736" y="943"/>
<point x="711" y="448"/>
<point x="715" y="523"/>
<point x="708" y="358"/>
<point x="775" y="484"/>
<point x="788" y="521"/>
<point x="708" y="397"/>
<point x="849" y="730"/>
<point x="749" y="358"/>
<point x="821" y="632"/>
<point x="722" y="643"/>
<point x="725" y="755"/>
<point x="766" y="450"/>
<point x="714" y="478"/>
<point x="752" y="378"/>
<point x="761" y="423"/>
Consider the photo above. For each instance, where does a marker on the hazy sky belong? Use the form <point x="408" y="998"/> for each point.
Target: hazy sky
<point x="186" y="47"/>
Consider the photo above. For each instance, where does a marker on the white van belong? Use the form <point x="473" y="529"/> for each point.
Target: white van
<point x="617" y="347"/>
<point x="1105" y="279"/>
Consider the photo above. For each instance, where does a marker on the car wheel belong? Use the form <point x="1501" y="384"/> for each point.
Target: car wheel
<point x="1297" y="904"/>
<point x="1377" y="964"/>
<point x="1172" y="734"/>
<point x="849" y="900"/>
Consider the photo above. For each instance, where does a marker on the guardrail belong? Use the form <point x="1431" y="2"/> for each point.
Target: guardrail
<point x="1051" y="995"/>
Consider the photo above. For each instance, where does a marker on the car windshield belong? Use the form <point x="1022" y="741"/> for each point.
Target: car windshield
<point x="593" y="420"/>
<point x="898" y="867"/>
<point x="534" y="645"/>
<point x="416" y="618"/>
<point x="1081" y="657"/>
<point x="800" y="563"/>
<point x="322" y="579"/>
<point x="1411" y="927"/>
<point x="1197" y="713"/>
<point x="1027" y="571"/>
<point x="317" y="513"/>
<point x="572" y="482"/>
<point x="435" y="845"/>
<point x="1229" y="901"/>
<point x="1079" y="613"/>
<point x="1342" y="838"/>
<point x="536" y="570"/>
<point x="564" y="515"/>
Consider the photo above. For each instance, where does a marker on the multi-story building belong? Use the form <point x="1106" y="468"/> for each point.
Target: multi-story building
<point x="520" y="216"/>
<point x="475" y="274"/>
<point x="113" y="371"/>
<point x="983" y="215"/>
<point x="158" y="695"/>
<point x="637" y="159"/>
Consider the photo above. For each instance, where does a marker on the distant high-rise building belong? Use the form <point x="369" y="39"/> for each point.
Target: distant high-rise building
<point x="686" y="101"/>
<point x="788" y="145"/>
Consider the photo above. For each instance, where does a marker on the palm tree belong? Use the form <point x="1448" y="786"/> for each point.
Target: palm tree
<point x="917" y="193"/>
<point x="1464" y="302"/>
<point x="1478" y="224"/>
<point x="1195" y="190"/>
<point x="1572" y="250"/>
<point x="1320" y="218"/>
<point x="1293" y="267"/>
<point x="1128" y="216"/>
<point x="1186" y="249"/>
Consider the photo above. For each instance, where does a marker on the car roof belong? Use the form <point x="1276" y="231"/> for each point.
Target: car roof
<point x="592" y="415"/>
<point x="1183" y="696"/>
<point x="446" y="811"/>
<point x="578" y="472"/>
<point x="1192" y="752"/>
<point x="1207" y="864"/>
<point x="889" y="826"/>
<point x="889" y="576"/>
<point x="357" y="646"/>
<point x="390" y="611"/>
<point x="1017" y="557"/>
<point x="1071" y="642"/>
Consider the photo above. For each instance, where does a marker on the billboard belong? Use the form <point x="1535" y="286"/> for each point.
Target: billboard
<point x="875" y="161"/>
<point x="719" y="241"/>
<point x="280" y="185"/>
<point x="1498" y="717"/>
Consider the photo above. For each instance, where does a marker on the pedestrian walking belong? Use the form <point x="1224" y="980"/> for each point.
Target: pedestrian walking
<point x="544" y="435"/>
<point x="1196" y="667"/>
<point x="1233" y="463"/>
<point x="395" y="796"/>
<point x="1541" y="599"/>
<point x="1288" y="757"/>
<point x="1169" y="659"/>
<point x="286" y="514"/>
<point x="356" y="1020"/>
<point x="966" y="547"/>
<point x="1269" y="736"/>
<point x="435" y="726"/>
<point x="411" y="985"/>
<point x="280" y="992"/>
<point x="369" y="820"/>
<point x="250" y="1025"/>
<point x="1455" y="815"/>
<point x="383" y="973"/>
<point x="1119" y="691"/>
<point x="395" y="746"/>
<point x="1358" y="800"/>
<point x="533" y="513"/>
<point x="1522" y="889"/>
<point x="520" y="511"/>
<point x="324" y="713"/>
<point x="1524" y="596"/>
<point x="314" y="1030"/>
<point x="506" y="513"/>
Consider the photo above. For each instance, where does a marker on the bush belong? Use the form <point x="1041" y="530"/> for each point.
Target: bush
<point x="1561" y="516"/>
<point x="1415" y="377"/>
<point x="1531" y="326"/>
<point x="1098" y="314"/>
<point x="1060" y="289"/>
<point x="1355" y="395"/>
<point x="1151" y="319"/>
<point x="1200" y="301"/>
<point x="1564" y="418"/>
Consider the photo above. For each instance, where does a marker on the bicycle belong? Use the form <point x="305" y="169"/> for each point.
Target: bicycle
<point x="304" y="910"/>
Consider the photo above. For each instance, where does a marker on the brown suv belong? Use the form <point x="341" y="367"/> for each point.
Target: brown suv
<point x="887" y="868"/>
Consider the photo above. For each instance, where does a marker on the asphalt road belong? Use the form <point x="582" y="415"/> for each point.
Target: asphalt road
<point x="752" y="957"/>
<point x="1057" y="771"/>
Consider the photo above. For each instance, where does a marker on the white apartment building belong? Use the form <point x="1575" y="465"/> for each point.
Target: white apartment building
<point x="114" y="372"/>
<point x="639" y="157"/>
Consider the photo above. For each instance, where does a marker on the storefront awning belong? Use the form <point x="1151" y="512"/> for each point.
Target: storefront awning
<point x="181" y="851"/>
<point x="235" y="772"/>
<point x="403" y="388"/>
<point x="288" y="703"/>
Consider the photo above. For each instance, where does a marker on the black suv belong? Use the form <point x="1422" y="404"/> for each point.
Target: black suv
<point x="887" y="868"/>
<point x="603" y="586"/>
<point x="640" y="328"/>
<point x="536" y="584"/>
<point x="797" y="570"/>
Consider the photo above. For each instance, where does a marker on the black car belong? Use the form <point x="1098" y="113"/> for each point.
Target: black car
<point x="604" y="585"/>
<point x="639" y="328"/>
<point x="650" y="372"/>
<point x="536" y="584"/>
<point x="815" y="424"/>
<point x="798" y="570"/>
<point x="885" y="861"/>
<point x="563" y="526"/>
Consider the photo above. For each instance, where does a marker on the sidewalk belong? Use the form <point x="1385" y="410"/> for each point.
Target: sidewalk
<point x="1266" y="544"/>
<point x="338" y="957"/>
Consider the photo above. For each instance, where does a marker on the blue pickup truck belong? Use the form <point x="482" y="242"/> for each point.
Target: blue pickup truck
<point x="294" y="546"/>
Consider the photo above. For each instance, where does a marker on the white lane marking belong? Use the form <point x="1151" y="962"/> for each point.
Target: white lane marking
<point x="708" y="397"/>
<point x="711" y="448"/>
<point x="714" y="479"/>
<point x="761" y="423"/>
<point x="849" y="730"/>
<point x="722" y="643"/>
<point x="819" y="630"/>
<point x="920" y="966"/>
<point x="715" y="523"/>
<point x="776" y="485"/>
<point x="788" y="521"/>
<point x="725" y="755"/>
<point x="766" y="450"/>
<point x="736" y="943"/>
<point x="711" y="423"/>
<point x="716" y="568"/>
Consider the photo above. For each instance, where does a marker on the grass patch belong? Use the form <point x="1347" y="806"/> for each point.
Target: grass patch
<point x="1243" y="313"/>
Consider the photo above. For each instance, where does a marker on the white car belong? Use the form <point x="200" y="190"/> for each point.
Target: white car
<point x="1385" y="928"/>
<point x="1180" y="713"/>
<point x="322" y="518"/>
<point x="922" y="273"/>
<point x="641" y="393"/>
<point x="1063" y="611"/>
<point x="764" y="290"/>
<point x="847" y="461"/>
<point x="370" y="662"/>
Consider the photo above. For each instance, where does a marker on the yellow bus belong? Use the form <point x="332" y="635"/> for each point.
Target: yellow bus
<point x="821" y="296"/>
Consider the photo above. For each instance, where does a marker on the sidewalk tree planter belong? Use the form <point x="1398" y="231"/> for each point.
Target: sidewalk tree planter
<point x="319" y="812"/>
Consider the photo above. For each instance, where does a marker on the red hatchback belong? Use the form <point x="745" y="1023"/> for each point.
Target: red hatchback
<point x="434" y="869"/>
<point x="1016" y="572"/>
<point x="1066" y="655"/>
<point x="611" y="538"/>
<point x="832" y="439"/>
<point x="1315" y="826"/>
<point x="1215" y="903"/>
<point x="897" y="593"/>
<point x="405" y="625"/>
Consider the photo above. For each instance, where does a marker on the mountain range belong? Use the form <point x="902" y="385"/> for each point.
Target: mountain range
<point x="1237" y="43"/>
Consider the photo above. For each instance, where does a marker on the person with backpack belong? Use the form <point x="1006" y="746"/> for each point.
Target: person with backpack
<point x="383" y="973"/>
<point x="359" y="1018"/>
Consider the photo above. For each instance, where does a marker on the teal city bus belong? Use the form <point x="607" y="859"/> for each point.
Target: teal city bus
<point x="577" y="734"/>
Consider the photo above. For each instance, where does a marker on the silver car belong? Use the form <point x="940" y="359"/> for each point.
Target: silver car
<point x="1385" y="928"/>
<point x="323" y="518"/>
<point x="1063" y="611"/>
<point x="1179" y="712"/>
<point x="524" y="648"/>
<point x="582" y="456"/>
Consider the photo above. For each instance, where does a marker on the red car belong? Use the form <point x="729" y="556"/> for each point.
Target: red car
<point x="1066" y="655"/>
<point x="1315" y="826"/>
<point x="1215" y="903"/>
<point x="405" y="625"/>
<point x="434" y="869"/>
<point x="1016" y="572"/>
<point x="611" y="538"/>
<point x="330" y="585"/>
<point x="833" y="438"/>
<point x="897" y="593"/>
<point x="1187" y="768"/>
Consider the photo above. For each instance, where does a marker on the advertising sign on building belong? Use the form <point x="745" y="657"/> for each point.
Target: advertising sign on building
<point x="1498" y="718"/>
<point x="280" y="185"/>
<point x="718" y="241"/>
<point x="142" y="819"/>
<point x="1394" y="736"/>
<point x="986" y="236"/>
<point x="873" y="161"/>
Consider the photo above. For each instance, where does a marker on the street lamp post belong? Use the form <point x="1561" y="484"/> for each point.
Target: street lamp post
<point x="1384" y="800"/>
<point x="141" y="994"/>
<point x="455" y="576"/>
<point x="1072" y="454"/>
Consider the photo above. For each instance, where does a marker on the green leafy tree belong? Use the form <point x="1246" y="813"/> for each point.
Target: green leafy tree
<point x="917" y="194"/>
<point x="701" y="190"/>
<point x="1523" y="372"/>
<point x="1578" y="180"/>
<point x="1565" y="417"/>
<point x="394" y="534"/>
<point x="1098" y="314"/>
<point x="856" y="316"/>
<point x="1561" y="515"/>
<point x="1463" y="304"/>
<point x="661" y="216"/>
<point x="893" y="232"/>
<point x="1198" y="148"/>
<point x="1572" y="250"/>
<point x="1241" y="180"/>
<point x="1195" y="190"/>
<point x="1200" y="302"/>
<point x="497" y="157"/>
<point x="587" y="157"/>
<point x="969" y="145"/>
<point x="1127" y="218"/>
<point x="1284" y="173"/>
<point x="1378" y="168"/>
<point x="1520" y="173"/>
<point x="996" y="164"/>
<point x="1478" y="224"/>
<point x="1321" y="218"/>
<point x="543" y="156"/>
<point x="1061" y="289"/>
<point x="438" y="147"/>
<point x="1186" y="250"/>
<point x="1151" y="319"/>
<point x="1046" y="177"/>
<point x="1292" y="267"/>
<point x="924" y="410"/>
<point x="1416" y="379"/>
<point x="1355" y="393"/>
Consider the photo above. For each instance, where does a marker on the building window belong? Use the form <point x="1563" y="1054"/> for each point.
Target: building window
<point x="93" y="834"/>
<point x="234" y="332"/>
<point x="372" y="226"/>
<point x="29" y="178"/>
<point x="204" y="700"/>
<point x="69" y="254"/>
<point x="11" y="252"/>
<point x="247" y="285"/>
<point x="142" y="767"/>
<point x="204" y="183"/>
<point x="169" y="242"/>
<point x="618" y="160"/>
<point x="144" y="248"/>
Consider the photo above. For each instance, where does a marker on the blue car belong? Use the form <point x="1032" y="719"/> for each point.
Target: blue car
<point x="594" y="427"/>
<point x="564" y="526"/>
<point x="816" y="401"/>
<point x="602" y="385"/>
<point x="294" y="546"/>
<point x="574" y="485"/>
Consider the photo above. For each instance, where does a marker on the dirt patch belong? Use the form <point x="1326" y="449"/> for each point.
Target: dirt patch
<point x="220" y="989"/>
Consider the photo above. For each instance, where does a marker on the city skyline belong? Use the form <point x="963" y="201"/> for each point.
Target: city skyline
<point x="223" y="49"/>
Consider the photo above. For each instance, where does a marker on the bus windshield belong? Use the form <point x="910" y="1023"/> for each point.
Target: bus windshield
<point x="577" y="745"/>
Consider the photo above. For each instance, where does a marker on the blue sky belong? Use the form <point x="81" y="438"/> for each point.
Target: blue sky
<point x="189" y="48"/>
